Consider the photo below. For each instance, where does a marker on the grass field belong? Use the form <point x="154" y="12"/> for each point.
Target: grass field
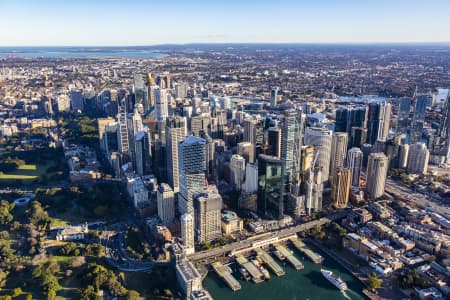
<point x="27" y="173"/>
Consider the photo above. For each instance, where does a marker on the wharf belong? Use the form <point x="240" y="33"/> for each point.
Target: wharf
<point x="289" y="256"/>
<point x="225" y="274"/>
<point x="270" y="262"/>
<point x="316" y="258"/>
<point x="257" y="275"/>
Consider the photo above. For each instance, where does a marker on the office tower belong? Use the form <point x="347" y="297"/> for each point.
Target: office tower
<point x="358" y="136"/>
<point x="109" y="140"/>
<point x="246" y="150"/>
<point x="237" y="170"/>
<point x="391" y="149"/>
<point x="320" y="138"/>
<point x="76" y="100"/>
<point x="342" y="116"/>
<point x="379" y="116"/>
<point x="141" y="91"/>
<point x="418" y="119"/>
<point x="346" y="118"/>
<point x="274" y="141"/>
<point x="307" y="159"/>
<point x="208" y="206"/>
<point x="270" y="187"/>
<point x="165" y="198"/>
<point x="354" y="163"/>
<point x="442" y="141"/>
<point x="366" y="150"/>
<point x="254" y="133"/>
<point x="187" y="233"/>
<point x="101" y="126"/>
<point x="192" y="167"/>
<point x="274" y="96"/>
<point x="338" y="153"/>
<point x="313" y="189"/>
<point x="63" y="103"/>
<point x="200" y="123"/>
<point x="418" y="157"/>
<point x="379" y="146"/>
<point x="176" y="131"/>
<point x="403" y="115"/>
<point x="341" y="188"/>
<point x="210" y="156"/>
<point x="122" y="129"/>
<point x="376" y="174"/>
<point x="403" y="156"/>
<point x="161" y="104"/>
<point x="143" y="153"/>
<point x="291" y="141"/>
<point x="251" y="179"/>
<point x="181" y="90"/>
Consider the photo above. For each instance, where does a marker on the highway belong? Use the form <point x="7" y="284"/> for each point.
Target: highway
<point x="224" y="250"/>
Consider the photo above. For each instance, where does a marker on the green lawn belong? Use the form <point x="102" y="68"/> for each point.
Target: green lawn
<point x="27" y="173"/>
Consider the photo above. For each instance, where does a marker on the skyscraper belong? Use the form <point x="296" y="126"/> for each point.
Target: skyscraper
<point x="192" y="167"/>
<point x="122" y="129"/>
<point x="418" y="157"/>
<point x="254" y="133"/>
<point x="313" y="189"/>
<point x="354" y="163"/>
<point x="291" y="142"/>
<point x="320" y="138"/>
<point x="341" y="188"/>
<point x="246" y="150"/>
<point x="270" y="186"/>
<point x="208" y="206"/>
<point x="358" y="136"/>
<point x="274" y="141"/>
<point x="76" y="100"/>
<point x="338" y="153"/>
<point x="176" y="131"/>
<point x="166" y="203"/>
<point x="442" y="142"/>
<point x="161" y="104"/>
<point x="274" y="96"/>
<point x="379" y="117"/>
<point x="142" y="153"/>
<point x="187" y="233"/>
<point x="418" y="119"/>
<point x="141" y="91"/>
<point x="403" y="115"/>
<point x="237" y="170"/>
<point x="376" y="174"/>
<point x="403" y="156"/>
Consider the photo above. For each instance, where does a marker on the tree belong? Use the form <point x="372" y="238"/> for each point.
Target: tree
<point x="6" y="216"/>
<point x="133" y="295"/>
<point x="29" y="297"/>
<point x="16" y="292"/>
<point x="374" y="282"/>
<point x="3" y="278"/>
<point x="88" y="293"/>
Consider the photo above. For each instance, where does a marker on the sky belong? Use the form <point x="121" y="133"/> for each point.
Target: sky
<point x="150" y="22"/>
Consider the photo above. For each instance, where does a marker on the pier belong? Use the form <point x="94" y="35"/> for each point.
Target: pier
<point x="257" y="275"/>
<point x="289" y="256"/>
<point x="316" y="258"/>
<point x="270" y="262"/>
<point x="225" y="274"/>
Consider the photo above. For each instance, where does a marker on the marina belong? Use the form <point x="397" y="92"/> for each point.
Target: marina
<point x="225" y="273"/>
<point x="300" y="246"/>
<point x="254" y="271"/>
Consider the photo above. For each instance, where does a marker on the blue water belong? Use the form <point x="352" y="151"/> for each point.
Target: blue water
<point x="306" y="284"/>
<point x="82" y="52"/>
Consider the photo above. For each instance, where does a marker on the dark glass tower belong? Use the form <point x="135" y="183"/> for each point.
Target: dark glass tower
<point x="270" y="187"/>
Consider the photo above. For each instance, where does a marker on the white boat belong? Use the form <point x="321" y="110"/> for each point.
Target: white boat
<point x="335" y="280"/>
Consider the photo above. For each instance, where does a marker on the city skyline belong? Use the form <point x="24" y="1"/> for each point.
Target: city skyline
<point x="112" y="23"/>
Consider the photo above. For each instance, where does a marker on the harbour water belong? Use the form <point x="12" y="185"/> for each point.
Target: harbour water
<point x="79" y="52"/>
<point x="304" y="284"/>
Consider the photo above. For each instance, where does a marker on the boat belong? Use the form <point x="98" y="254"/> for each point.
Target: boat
<point x="335" y="280"/>
<point x="279" y="255"/>
<point x="245" y="275"/>
<point x="265" y="272"/>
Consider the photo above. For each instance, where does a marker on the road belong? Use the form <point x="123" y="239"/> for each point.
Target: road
<point x="221" y="251"/>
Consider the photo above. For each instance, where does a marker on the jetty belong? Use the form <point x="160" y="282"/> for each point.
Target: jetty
<point x="300" y="246"/>
<point x="269" y="262"/>
<point x="225" y="273"/>
<point x="257" y="275"/>
<point x="289" y="256"/>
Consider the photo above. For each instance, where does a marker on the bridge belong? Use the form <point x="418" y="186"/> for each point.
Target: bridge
<point x="262" y="240"/>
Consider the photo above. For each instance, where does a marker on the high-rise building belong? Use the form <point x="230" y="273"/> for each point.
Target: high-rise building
<point x="403" y="156"/>
<point x="346" y="118"/>
<point x="251" y="179"/>
<point x="141" y="91"/>
<point x="291" y="142"/>
<point x="254" y="133"/>
<point x="338" y="153"/>
<point x="358" y="136"/>
<point x="404" y="111"/>
<point x="208" y="206"/>
<point x="320" y="138"/>
<point x="379" y="117"/>
<point x="307" y="159"/>
<point x="246" y="150"/>
<point x="442" y="141"/>
<point x="122" y="129"/>
<point x="192" y="167"/>
<point x="354" y="163"/>
<point x="341" y="188"/>
<point x="376" y="174"/>
<point x="418" y="120"/>
<point x="161" y="104"/>
<point x="200" y="124"/>
<point x="188" y="233"/>
<point x="142" y="154"/>
<point x="63" y="103"/>
<point x="274" y="141"/>
<point x="176" y="131"/>
<point x="418" y="157"/>
<point x="101" y="126"/>
<point x="270" y="187"/>
<point x="237" y="171"/>
<point x="274" y="96"/>
<point x="342" y="116"/>
<point x="165" y="198"/>
<point x="313" y="189"/>
<point x="76" y="100"/>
